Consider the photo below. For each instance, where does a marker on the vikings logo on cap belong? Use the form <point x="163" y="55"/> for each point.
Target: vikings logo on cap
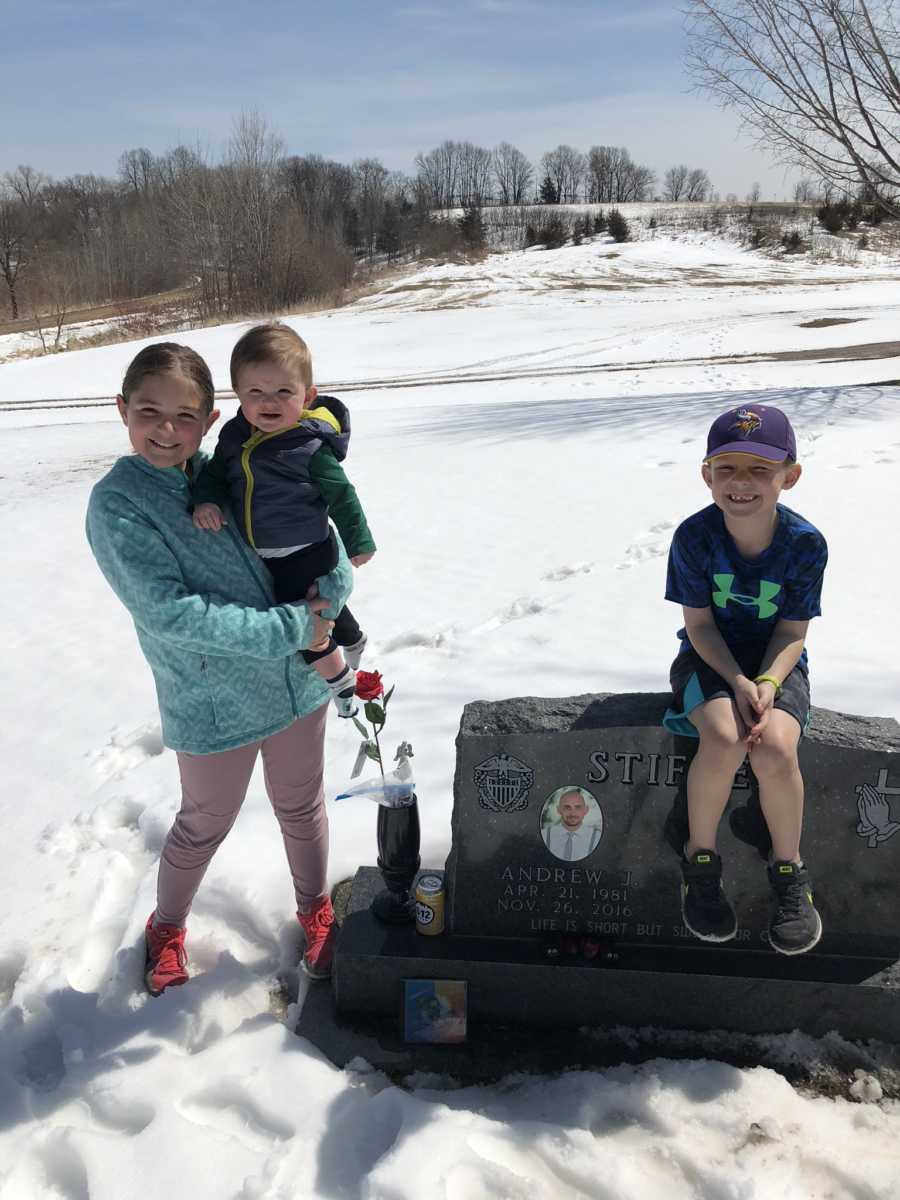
<point x="747" y="422"/>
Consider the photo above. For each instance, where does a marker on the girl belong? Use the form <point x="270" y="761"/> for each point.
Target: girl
<point x="229" y="680"/>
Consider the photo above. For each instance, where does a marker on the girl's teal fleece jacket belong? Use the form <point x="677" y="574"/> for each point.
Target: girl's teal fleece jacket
<point x="223" y="655"/>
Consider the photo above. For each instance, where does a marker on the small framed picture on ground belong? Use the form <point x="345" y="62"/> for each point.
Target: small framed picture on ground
<point x="434" y="1010"/>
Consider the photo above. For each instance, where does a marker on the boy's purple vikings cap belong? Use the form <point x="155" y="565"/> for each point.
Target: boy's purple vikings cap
<point x="753" y="429"/>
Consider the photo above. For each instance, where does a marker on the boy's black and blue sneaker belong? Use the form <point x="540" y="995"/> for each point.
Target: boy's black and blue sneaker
<point x="794" y="926"/>
<point x="705" y="908"/>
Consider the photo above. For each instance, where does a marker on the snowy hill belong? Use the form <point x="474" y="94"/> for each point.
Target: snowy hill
<point x="527" y="433"/>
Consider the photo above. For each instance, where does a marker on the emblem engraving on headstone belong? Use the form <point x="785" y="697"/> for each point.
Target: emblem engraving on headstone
<point x="876" y="824"/>
<point x="503" y="783"/>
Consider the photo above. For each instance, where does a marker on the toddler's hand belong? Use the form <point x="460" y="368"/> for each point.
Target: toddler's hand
<point x="360" y="560"/>
<point x="209" y="516"/>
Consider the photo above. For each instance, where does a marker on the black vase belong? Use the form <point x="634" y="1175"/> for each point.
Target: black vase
<point x="398" y="862"/>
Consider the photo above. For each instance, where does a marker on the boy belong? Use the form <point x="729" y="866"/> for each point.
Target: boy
<point x="748" y="574"/>
<point x="278" y="462"/>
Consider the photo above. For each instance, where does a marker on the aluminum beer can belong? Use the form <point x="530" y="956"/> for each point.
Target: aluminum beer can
<point x="430" y="905"/>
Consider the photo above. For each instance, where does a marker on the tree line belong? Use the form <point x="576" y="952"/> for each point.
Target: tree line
<point x="464" y="175"/>
<point x="262" y="230"/>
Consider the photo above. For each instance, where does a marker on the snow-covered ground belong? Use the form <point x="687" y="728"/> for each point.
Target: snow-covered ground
<point x="523" y="485"/>
<point x="13" y="344"/>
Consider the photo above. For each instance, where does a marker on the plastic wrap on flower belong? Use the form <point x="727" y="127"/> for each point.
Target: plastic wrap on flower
<point x="393" y="790"/>
<point x="396" y="788"/>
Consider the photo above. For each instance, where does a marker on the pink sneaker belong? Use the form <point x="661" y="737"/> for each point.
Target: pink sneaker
<point x="321" y="931"/>
<point x="166" y="964"/>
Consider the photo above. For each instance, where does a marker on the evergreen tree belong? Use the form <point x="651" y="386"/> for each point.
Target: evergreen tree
<point x="471" y="226"/>
<point x="351" y="227"/>
<point x="549" y="193"/>
<point x="554" y="233"/>
<point x="388" y="235"/>
<point x="618" y="226"/>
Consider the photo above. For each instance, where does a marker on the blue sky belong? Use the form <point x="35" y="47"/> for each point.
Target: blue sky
<point x="83" y="80"/>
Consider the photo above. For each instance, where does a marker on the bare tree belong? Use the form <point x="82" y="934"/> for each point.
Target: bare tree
<point x="675" y="182"/>
<point x="28" y="184"/>
<point x="636" y="182"/>
<point x="614" y="178"/>
<point x="566" y="167"/>
<point x="474" y="175"/>
<point x="49" y="309"/>
<point x="253" y="158"/>
<point x="805" y="191"/>
<point x="754" y="194"/>
<point x="322" y="189"/>
<point x="136" y="170"/>
<point x="513" y="174"/>
<point x="815" y="80"/>
<point x="439" y="175"/>
<point x="370" y="181"/>
<point x="699" y="185"/>
<point x="15" y="247"/>
<point x="21" y="213"/>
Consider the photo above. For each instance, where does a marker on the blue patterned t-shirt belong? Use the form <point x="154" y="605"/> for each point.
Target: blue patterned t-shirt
<point x="747" y="596"/>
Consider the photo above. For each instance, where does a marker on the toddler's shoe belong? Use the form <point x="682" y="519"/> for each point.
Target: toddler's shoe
<point x="166" y="962"/>
<point x="321" y="933"/>
<point x="705" y="908"/>
<point x="343" y="693"/>
<point x="346" y="705"/>
<point x="794" y="925"/>
<point x="353" y="654"/>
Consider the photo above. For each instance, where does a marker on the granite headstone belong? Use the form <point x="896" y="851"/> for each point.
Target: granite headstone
<point x="568" y="814"/>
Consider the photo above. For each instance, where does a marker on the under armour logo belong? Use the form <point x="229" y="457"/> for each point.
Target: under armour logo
<point x="762" y="602"/>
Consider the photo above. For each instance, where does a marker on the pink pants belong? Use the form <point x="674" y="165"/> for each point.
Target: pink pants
<point x="213" y="787"/>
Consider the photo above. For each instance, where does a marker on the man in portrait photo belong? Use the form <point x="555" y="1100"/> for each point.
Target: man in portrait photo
<point x="570" y="838"/>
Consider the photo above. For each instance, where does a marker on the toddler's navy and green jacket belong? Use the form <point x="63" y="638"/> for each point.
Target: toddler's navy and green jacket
<point x="223" y="654"/>
<point x="284" y="486"/>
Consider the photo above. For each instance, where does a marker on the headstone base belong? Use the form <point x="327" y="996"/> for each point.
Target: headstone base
<point x="511" y="983"/>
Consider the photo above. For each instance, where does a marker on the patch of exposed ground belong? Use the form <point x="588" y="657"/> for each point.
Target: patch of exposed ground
<point x="825" y="322"/>
<point x="866" y="350"/>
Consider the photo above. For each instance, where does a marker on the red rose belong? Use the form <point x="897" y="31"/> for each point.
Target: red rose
<point x="369" y="685"/>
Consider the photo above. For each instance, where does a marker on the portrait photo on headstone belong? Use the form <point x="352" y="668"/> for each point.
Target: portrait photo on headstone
<point x="571" y="823"/>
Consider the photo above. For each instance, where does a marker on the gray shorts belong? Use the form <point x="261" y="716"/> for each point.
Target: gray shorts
<point x="694" y="682"/>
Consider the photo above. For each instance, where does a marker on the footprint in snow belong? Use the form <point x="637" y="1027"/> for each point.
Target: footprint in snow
<point x="39" y="1063"/>
<point x="523" y="606"/>
<point x="62" y="1168"/>
<point x="104" y="926"/>
<point x="119" y="1114"/>
<point x="116" y="824"/>
<point x="12" y="964"/>
<point x="229" y="1108"/>
<point x="561" y="573"/>
<point x="417" y="639"/>
<point x="653" y="544"/>
<point x="125" y="751"/>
